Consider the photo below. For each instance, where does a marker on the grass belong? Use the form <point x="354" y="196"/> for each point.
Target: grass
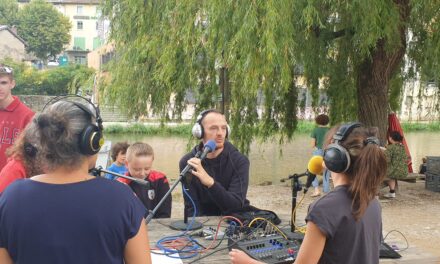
<point x="304" y="127"/>
<point x="145" y="129"/>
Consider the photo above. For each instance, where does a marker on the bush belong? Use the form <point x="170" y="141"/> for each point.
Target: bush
<point x="54" y="81"/>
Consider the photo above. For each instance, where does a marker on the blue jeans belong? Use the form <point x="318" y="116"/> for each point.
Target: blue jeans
<point x="325" y="174"/>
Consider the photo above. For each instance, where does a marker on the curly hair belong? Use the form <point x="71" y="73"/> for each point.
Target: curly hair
<point x="322" y="120"/>
<point x="25" y="152"/>
<point x="55" y="133"/>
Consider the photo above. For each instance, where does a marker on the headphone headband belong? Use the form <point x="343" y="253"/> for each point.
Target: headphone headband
<point x="91" y="140"/>
<point x="344" y="131"/>
<point x="336" y="157"/>
<point x="197" y="129"/>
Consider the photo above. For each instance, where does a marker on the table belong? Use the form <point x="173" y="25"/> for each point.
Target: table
<point x="158" y="228"/>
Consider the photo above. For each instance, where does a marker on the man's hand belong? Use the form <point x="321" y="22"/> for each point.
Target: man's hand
<point x="200" y="172"/>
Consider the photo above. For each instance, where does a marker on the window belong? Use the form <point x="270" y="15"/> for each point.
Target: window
<point x="98" y="11"/>
<point x="79" y="43"/>
<point x="96" y="43"/>
<point x="79" y="25"/>
<point x="79" y="9"/>
<point x="80" y="60"/>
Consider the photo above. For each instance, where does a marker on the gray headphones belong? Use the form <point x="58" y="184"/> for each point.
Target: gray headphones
<point x="197" y="129"/>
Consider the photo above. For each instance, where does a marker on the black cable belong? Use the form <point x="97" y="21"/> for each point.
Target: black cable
<point x="228" y="246"/>
<point x="394" y="230"/>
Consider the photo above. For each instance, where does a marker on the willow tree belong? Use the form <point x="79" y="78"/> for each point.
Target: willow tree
<point x="367" y="49"/>
<point x="250" y="54"/>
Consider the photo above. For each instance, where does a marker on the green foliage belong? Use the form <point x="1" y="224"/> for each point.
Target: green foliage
<point x="169" y="48"/>
<point x="8" y="12"/>
<point x="420" y="126"/>
<point x="175" y="130"/>
<point x="53" y="81"/>
<point x="44" y="29"/>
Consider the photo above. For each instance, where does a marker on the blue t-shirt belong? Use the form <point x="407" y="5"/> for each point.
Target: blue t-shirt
<point x="84" y="222"/>
<point x="115" y="168"/>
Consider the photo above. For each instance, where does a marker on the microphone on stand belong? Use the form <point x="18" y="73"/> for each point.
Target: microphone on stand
<point x="207" y="148"/>
<point x="313" y="167"/>
<point x="97" y="172"/>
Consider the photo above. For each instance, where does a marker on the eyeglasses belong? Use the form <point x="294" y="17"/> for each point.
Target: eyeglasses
<point x="5" y="69"/>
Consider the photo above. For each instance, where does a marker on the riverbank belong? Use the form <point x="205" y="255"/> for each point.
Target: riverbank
<point x="184" y="128"/>
<point x="415" y="212"/>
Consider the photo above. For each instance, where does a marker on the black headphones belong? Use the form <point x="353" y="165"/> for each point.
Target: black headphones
<point x="197" y="129"/>
<point x="91" y="139"/>
<point x="336" y="157"/>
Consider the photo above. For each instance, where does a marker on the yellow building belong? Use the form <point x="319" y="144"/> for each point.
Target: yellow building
<point x="87" y="27"/>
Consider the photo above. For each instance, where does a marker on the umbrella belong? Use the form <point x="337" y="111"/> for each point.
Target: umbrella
<point x="394" y="125"/>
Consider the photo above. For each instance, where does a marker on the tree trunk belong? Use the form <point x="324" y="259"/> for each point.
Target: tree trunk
<point x="374" y="76"/>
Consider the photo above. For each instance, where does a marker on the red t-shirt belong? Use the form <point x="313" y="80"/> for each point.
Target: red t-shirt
<point x="13" y="170"/>
<point x="13" y="119"/>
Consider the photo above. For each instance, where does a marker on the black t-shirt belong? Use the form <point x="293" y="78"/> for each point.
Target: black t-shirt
<point x="347" y="240"/>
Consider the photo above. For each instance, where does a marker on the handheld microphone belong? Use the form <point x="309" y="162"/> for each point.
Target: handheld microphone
<point x="207" y="148"/>
<point x="313" y="167"/>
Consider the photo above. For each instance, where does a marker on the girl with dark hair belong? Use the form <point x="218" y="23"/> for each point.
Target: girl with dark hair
<point x="344" y="226"/>
<point x="21" y="162"/>
<point x="396" y="160"/>
<point x="66" y="215"/>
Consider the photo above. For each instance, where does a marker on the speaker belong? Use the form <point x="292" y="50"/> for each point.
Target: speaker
<point x="197" y="129"/>
<point x="91" y="138"/>
<point x="336" y="157"/>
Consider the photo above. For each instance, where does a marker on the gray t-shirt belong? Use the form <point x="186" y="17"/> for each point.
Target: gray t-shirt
<point x="347" y="240"/>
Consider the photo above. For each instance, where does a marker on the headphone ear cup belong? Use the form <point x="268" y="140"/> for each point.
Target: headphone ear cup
<point x="336" y="158"/>
<point x="197" y="131"/>
<point x="91" y="140"/>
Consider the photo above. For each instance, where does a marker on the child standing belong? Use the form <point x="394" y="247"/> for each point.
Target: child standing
<point x="139" y="161"/>
<point x="118" y="156"/>
<point x="318" y="136"/>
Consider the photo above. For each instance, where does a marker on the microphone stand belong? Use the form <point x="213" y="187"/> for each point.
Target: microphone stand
<point x="296" y="186"/>
<point x="183" y="224"/>
<point x="98" y="170"/>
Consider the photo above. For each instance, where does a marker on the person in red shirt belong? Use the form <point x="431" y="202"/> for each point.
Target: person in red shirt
<point x="14" y="115"/>
<point x="21" y="162"/>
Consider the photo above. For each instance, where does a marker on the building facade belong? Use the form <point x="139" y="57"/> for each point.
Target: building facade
<point x="87" y="26"/>
<point x="11" y="45"/>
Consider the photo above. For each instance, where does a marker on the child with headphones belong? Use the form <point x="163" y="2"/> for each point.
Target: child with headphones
<point x="66" y="215"/>
<point x="139" y="162"/>
<point x="344" y="226"/>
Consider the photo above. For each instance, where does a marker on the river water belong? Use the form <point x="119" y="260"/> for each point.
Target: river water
<point x="269" y="161"/>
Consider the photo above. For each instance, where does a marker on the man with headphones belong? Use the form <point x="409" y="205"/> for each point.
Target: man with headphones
<point x="221" y="180"/>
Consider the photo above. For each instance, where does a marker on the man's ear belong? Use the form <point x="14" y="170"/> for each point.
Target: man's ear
<point x="13" y="84"/>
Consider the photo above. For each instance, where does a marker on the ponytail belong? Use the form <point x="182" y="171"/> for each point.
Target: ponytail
<point x="368" y="171"/>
